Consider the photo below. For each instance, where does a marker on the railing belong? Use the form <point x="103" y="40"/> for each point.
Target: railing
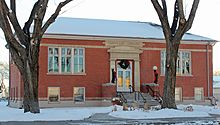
<point x="139" y="93"/>
<point x="155" y="94"/>
<point x="137" y="96"/>
<point x="123" y="99"/>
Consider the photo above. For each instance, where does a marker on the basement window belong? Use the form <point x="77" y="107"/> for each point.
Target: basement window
<point x="53" y="94"/>
<point x="79" y="94"/>
<point x="198" y="93"/>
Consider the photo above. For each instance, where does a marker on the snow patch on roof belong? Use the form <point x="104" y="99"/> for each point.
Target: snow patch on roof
<point x="112" y="28"/>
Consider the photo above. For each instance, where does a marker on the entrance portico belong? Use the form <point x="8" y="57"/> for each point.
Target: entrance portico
<point x="125" y="50"/>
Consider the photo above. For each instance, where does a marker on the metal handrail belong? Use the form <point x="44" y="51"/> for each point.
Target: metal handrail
<point x="123" y="98"/>
<point x="158" y="96"/>
<point x="139" y="93"/>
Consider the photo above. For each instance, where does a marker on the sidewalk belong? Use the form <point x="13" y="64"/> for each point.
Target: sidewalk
<point x="105" y="118"/>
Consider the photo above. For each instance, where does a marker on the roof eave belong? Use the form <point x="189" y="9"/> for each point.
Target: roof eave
<point x="97" y="37"/>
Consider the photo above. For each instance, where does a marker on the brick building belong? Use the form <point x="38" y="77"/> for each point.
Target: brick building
<point x="84" y="62"/>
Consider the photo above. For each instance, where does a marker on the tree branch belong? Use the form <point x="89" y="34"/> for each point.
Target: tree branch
<point x="39" y="16"/>
<point x="9" y="36"/>
<point x="13" y="19"/>
<point x="192" y="14"/>
<point x="27" y="25"/>
<point x="184" y="27"/>
<point x="54" y="16"/>
<point x="164" y="7"/>
<point x="175" y="18"/>
<point x="180" y="8"/>
<point x="163" y="18"/>
<point x="16" y="56"/>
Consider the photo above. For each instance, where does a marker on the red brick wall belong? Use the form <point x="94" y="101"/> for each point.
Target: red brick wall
<point x="149" y="58"/>
<point x="15" y="80"/>
<point x="96" y="69"/>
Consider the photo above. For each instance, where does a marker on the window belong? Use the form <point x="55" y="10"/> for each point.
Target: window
<point x="66" y="60"/>
<point x="178" y="94"/>
<point x="53" y="60"/>
<point x="183" y="64"/>
<point x="53" y="94"/>
<point x="198" y="93"/>
<point x="79" y="94"/>
<point x="178" y="64"/>
<point x="78" y="60"/>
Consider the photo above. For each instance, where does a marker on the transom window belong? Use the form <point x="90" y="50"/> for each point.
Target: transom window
<point x="66" y="60"/>
<point x="183" y="64"/>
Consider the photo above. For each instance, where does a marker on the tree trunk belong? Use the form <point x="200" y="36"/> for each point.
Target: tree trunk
<point x="30" y="79"/>
<point x="170" y="76"/>
<point x="24" y="47"/>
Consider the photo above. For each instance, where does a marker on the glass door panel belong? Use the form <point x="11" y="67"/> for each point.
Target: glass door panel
<point x="124" y="78"/>
<point x="120" y="78"/>
<point x="127" y="79"/>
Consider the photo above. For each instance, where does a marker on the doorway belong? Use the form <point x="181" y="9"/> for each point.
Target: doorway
<point x="124" y="76"/>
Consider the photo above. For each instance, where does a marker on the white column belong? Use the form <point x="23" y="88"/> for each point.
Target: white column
<point x="136" y="75"/>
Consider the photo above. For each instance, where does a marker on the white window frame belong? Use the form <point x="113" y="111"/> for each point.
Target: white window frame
<point x="180" y="58"/>
<point x="72" y="61"/>
<point x="66" y="56"/>
<point x="78" y="56"/>
<point x="53" y="55"/>
<point x="48" y="95"/>
<point x="200" y="89"/>
<point x="84" y="91"/>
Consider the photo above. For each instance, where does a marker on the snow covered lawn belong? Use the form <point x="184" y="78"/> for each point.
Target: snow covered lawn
<point x="198" y="111"/>
<point x="79" y="113"/>
<point x="49" y="114"/>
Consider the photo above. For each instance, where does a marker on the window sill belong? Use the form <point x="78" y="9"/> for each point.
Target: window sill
<point x="65" y="74"/>
<point x="55" y="102"/>
<point x="190" y="75"/>
<point x="79" y="102"/>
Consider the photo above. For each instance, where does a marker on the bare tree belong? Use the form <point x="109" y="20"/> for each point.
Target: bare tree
<point x="173" y="34"/>
<point x="24" y="45"/>
<point x="4" y="74"/>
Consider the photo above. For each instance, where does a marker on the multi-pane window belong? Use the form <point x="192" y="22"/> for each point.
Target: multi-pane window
<point x="66" y="60"/>
<point x="53" y="94"/>
<point x="198" y="93"/>
<point x="163" y="62"/>
<point x="183" y="63"/>
<point x="186" y="63"/>
<point x="178" y="64"/>
<point x="53" y="60"/>
<point x="79" y="94"/>
<point x="78" y="60"/>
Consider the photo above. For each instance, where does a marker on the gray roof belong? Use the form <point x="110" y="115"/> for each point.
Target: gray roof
<point x="112" y="28"/>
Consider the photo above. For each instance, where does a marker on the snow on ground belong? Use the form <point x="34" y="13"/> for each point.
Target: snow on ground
<point x="49" y="114"/>
<point x="198" y="111"/>
<point x="79" y="113"/>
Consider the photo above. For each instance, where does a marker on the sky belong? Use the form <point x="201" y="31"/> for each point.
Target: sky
<point x="206" y="22"/>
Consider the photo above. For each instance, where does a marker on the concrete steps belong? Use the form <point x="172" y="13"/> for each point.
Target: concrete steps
<point x="138" y="99"/>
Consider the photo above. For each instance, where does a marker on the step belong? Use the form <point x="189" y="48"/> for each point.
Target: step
<point x="130" y="97"/>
